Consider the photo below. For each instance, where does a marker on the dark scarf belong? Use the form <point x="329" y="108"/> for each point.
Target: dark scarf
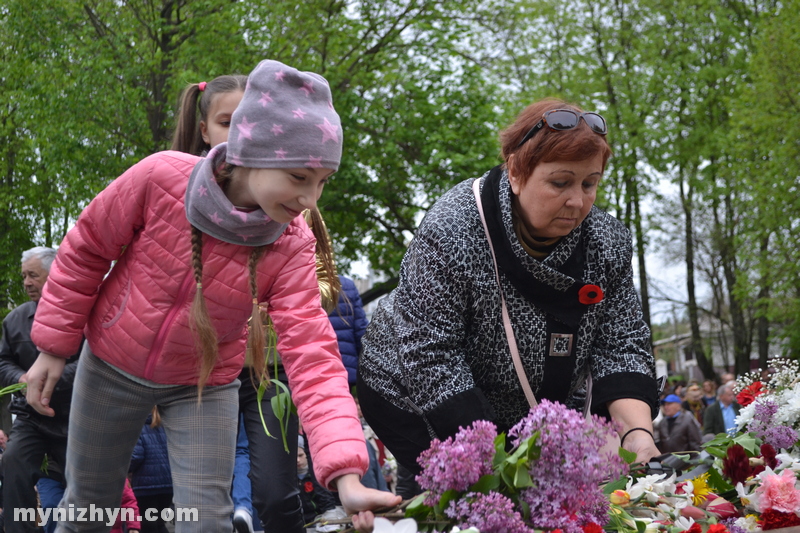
<point x="561" y="305"/>
<point x="563" y="309"/>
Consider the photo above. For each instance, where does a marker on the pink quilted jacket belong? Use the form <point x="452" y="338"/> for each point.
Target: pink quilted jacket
<point x="137" y="317"/>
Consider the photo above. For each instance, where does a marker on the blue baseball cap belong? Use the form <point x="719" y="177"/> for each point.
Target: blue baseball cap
<point x="671" y="398"/>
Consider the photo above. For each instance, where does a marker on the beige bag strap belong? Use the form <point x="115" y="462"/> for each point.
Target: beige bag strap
<point x="512" y="342"/>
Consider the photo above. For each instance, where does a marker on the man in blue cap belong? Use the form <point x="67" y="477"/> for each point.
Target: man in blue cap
<point x="679" y="430"/>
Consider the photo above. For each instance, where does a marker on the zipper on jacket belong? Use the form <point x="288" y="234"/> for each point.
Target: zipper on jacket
<point x="158" y="344"/>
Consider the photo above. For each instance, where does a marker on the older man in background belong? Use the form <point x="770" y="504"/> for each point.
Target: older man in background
<point x="720" y="416"/>
<point x="33" y="435"/>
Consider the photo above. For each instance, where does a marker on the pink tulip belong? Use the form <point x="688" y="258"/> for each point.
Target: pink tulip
<point x="722" y="508"/>
<point x="690" y="511"/>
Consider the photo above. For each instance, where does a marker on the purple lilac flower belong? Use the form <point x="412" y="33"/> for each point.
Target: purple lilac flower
<point x="780" y="437"/>
<point x="569" y="471"/>
<point x="457" y="462"/>
<point x="491" y="513"/>
<point x="762" y="425"/>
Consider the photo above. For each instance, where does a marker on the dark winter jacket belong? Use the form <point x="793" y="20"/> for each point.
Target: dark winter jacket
<point x="17" y="355"/>
<point x="150" y="472"/>
<point x="349" y="322"/>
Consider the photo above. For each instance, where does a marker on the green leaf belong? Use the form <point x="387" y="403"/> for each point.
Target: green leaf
<point x="618" y="484"/>
<point x="417" y="508"/>
<point x="628" y="457"/>
<point x="486" y="484"/>
<point x="12" y="388"/>
<point x="717" y="482"/>
<point x="445" y="500"/>
<point x="262" y="388"/>
<point x="522" y="478"/>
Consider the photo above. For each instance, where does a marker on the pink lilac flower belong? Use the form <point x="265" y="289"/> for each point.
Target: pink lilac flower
<point x="778" y="492"/>
<point x="491" y="513"/>
<point x="458" y="462"/>
<point x="569" y="471"/>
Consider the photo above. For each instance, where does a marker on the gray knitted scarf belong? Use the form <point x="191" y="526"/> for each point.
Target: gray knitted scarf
<point x="210" y="211"/>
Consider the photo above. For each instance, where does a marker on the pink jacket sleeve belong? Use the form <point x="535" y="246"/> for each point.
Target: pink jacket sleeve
<point x="128" y="502"/>
<point x="317" y="378"/>
<point x="99" y="236"/>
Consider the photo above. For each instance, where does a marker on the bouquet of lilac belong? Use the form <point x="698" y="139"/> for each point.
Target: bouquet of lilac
<point x="551" y="478"/>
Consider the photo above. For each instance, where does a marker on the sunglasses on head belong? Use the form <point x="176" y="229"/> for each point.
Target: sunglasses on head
<point x="566" y="119"/>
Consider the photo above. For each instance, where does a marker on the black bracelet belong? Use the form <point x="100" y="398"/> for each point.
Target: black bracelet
<point x="636" y="429"/>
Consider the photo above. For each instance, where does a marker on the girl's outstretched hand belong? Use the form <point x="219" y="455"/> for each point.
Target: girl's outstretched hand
<point x="356" y="498"/>
<point x="42" y="378"/>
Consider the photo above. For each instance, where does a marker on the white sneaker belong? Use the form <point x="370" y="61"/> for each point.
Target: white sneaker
<point x="242" y="521"/>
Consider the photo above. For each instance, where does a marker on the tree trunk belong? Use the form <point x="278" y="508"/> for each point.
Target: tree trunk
<point x="686" y="193"/>
<point x="762" y="323"/>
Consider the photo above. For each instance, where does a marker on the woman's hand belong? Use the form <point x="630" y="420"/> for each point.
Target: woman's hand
<point x="630" y="413"/>
<point x="356" y="498"/>
<point x="42" y="378"/>
<point x="642" y="445"/>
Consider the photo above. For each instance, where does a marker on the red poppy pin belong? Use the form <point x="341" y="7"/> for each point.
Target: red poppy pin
<point x="590" y="294"/>
<point x="308" y="486"/>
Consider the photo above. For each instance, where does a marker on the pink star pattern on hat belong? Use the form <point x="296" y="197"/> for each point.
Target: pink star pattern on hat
<point x="265" y="99"/>
<point x="202" y="191"/>
<point x="240" y="214"/>
<point x="246" y="129"/>
<point x="243" y="237"/>
<point x="281" y="153"/>
<point x="299" y="113"/>
<point x="330" y="132"/>
<point x="307" y="88"/>
<point x="234" y="159"/>
<point x="280" y="74"/>
<point x="277" y="129"/>
<point x="314" y="162"/>
<point x="215" y="217"/>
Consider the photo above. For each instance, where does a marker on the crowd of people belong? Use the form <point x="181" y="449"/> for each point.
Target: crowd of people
<point x="147" y="344"/>
<point x="692" y="414"/>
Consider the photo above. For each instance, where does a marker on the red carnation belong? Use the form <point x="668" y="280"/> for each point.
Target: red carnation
<point x="736" y="465"/>
<point x="591" y="527"/>
<point x="768" y="454"/>
<point x="750" y="393"/>
<point x="772" y="519"/>
<point x="694" y="529"/>
<point x="308" y="486"/>
<point x="717" y="528"/>
<point x="590" y="294"/>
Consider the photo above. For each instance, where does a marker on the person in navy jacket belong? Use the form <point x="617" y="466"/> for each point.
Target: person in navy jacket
<point x="350" y="322"/>
<point x="150" y="474"/>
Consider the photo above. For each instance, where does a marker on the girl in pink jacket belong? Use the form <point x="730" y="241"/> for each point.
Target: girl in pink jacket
<point x="198" y="243"/>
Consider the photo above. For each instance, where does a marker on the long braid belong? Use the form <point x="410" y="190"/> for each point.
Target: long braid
<point x="256" y="339"/>
<point x="203" y="329"/>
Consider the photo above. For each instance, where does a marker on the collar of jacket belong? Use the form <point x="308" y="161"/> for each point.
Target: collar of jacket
<point x="563" y="305"/>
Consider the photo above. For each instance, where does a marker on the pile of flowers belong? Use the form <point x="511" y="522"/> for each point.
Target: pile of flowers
<point x="550" y="479"/>
<point x="551" y="476"/>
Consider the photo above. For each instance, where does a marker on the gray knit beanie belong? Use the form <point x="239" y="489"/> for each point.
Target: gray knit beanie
<point x="285" y="120"/>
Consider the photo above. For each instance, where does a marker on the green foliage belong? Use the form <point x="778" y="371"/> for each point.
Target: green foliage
<point x="702" y="94"/>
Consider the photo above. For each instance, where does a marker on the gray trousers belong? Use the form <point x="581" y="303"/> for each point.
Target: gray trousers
<point x="108" y="412"/>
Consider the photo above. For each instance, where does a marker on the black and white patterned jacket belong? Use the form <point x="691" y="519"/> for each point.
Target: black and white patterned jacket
<point x="436" y="345"/>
